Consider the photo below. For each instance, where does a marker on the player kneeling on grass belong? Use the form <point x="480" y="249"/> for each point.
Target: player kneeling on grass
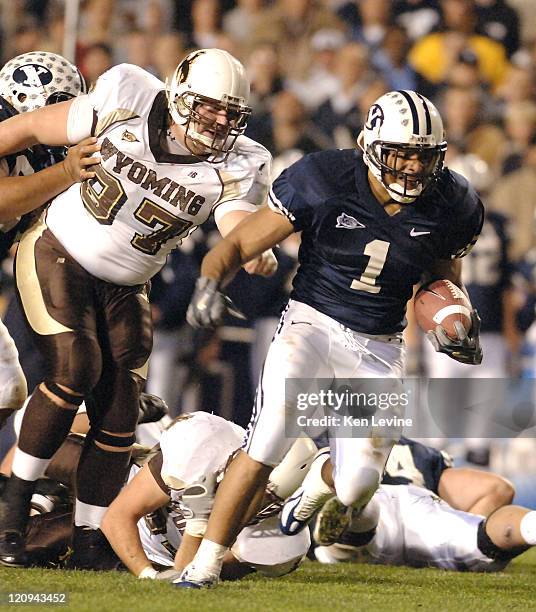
<point x="409" y="525"/>
<point x="159" y="518"/>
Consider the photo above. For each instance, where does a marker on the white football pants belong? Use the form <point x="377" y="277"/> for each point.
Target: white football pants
<point x="310" y="345"/>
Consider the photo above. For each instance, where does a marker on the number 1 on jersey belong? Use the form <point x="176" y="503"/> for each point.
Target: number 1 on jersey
<point x="377" y="251"/>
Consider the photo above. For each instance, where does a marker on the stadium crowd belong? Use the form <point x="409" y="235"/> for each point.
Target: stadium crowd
<point x="316" y="67"/>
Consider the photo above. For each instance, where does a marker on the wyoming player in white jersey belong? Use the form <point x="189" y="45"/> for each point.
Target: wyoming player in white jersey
<point x="409" y="525"/>
<point x="170" y="156"/>
<point x="159" y="517"/>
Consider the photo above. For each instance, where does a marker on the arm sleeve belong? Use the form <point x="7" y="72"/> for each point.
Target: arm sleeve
<point x="221" y="210"/>
<point x="81" y="120"/>
<point x="246" y="183"/>
<point x="115" y="94"/>
<point x="286" y="198"/>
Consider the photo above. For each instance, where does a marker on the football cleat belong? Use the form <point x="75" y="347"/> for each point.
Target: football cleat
<point x="331" y="521"/>
<point x="13" y="550"/>
<point x="92" y="551"/>
<point x="191" y="584"/>
<point x="190" y="579"/>
<point x="310" y="497"/>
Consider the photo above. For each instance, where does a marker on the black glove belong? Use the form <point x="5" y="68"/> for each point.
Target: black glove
<point x="466" y="349"/>
<point x="209" y="306"/>
<point x="152" y="408"/>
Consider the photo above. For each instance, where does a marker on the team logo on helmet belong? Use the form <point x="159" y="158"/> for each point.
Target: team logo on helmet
<point x="32" y="75"/>
<point x="375" y="117"/>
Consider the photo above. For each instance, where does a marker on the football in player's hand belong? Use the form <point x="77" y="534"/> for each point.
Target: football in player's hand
<point x="441" y="302"/>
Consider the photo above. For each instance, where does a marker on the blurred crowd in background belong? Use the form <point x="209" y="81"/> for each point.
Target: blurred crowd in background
<point x="315" y="67"/>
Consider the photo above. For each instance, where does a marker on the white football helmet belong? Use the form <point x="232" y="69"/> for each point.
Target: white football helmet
<point x="399" y="125"/>
<point x="211" y="77"/>
<point x="33" y="80"/>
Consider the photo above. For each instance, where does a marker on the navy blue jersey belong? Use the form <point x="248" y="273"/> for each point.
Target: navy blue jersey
<point x="358" y="265"/>
<point x="411" y="462"/>
<point x="21" y="164"/>
<point x="487" y="272"/>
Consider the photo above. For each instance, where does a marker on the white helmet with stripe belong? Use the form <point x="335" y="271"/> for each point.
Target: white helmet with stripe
<point x="401" y="124"/>
<point x="214" y="78"/>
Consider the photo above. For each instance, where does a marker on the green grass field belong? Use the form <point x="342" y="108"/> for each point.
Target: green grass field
<point x="312" y="587"/>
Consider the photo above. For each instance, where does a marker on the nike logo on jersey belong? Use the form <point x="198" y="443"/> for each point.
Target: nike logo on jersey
<point x="300" y="323"/>
<point x="415" y="233"/>
<point x="128" y="136"/>
<point x="345" y="221"/>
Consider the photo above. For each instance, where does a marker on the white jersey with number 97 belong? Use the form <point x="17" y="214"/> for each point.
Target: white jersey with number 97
<point x="149" y="192"/>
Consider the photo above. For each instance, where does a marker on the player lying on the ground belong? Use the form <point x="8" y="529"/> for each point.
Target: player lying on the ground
<point x="467" y="489"/>
<point x="149" y="517"/>
<point x="410" y="462"/>
<point x="409" y="525"/>
<point x="161" y="514"/>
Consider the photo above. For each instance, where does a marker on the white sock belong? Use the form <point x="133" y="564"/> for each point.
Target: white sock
<point x="87" y="515"/>
<point x="27" y="466"/>
<point x="313" y="483"/>
<point x="208" y="560"/>
<point x="527" y="527"/>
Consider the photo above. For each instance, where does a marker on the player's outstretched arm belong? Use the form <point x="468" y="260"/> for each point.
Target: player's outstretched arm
<point x="22" y="194"/>
<point x="139" y="497"/>
<point x="264" y="264"/>
<point x="47" y="125"/>
<point x="257" y="233"/>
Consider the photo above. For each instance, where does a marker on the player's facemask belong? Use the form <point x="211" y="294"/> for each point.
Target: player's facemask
<point x="204" y="125"/>
<point x="390" y="159"/>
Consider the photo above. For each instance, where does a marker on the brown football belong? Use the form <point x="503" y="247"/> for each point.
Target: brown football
<point x="441" y="302"/>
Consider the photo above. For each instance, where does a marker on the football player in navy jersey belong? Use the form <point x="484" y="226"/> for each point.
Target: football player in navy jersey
<point x="31" y="177"/>
<point x="373" y="224"/>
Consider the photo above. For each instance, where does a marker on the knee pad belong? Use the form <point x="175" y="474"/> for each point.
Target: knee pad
<point x="76" y="363"/>
<point x="134" y="351"/>
<point x="356" y="487"/>
<point x="13" y="387"/>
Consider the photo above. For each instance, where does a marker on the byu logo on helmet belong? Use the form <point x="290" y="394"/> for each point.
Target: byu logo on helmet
<point x="33" y="80"/>
<point x="403" y="144"/>
<point x="32" y="75"/>
<point x="375" y="117"/>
